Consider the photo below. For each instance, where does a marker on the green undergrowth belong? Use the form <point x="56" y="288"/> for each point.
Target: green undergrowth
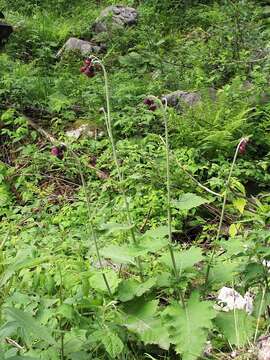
<point x="118" y="248"/>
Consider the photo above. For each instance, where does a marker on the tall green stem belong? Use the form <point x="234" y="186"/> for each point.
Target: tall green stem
<point x="119" y="172"/>
<point x="225" y="195"/>
<point x="91" y="229"/>
<point x="168" y="186"/>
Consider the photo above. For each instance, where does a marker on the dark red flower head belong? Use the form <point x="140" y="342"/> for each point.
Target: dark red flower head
<point x="58" y="151"/>
<point x="150" y="103"/>
<point x="55" y="151"/>
<point x="242" y="147"/>
<point x="153" y="107"/>
<point x="88" y="61"/>
<point x="89" y="68"/>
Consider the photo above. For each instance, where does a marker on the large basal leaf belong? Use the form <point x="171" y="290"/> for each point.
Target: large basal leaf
<point x="237" y="326"/>
<point x="188" y="327"/>
<point x="97" y="281"/>
<point x="115" y="227"/>
<point x="130" y="288"/>
<point x="118" y="254"/>
<point x="112" y="343"/>
<point x="153" y="245"/>
<point x="29" y="324"/>
<point x="142" y="318"/>
<point x="127" y="289"/>
<point x="184" y="258"/>
<point x="74" y="341"/>
<point x="157" y="233"/>
<point x="236" y="245"/>
<point x="189" y="201"/>
<point x="223" y="273"/>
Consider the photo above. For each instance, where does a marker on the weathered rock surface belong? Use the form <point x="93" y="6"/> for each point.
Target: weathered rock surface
<point x="84" y="129"/>
<point x="264" y="348"/>
<point x="115" y="16"/>
<point x="180" y="98"/>
<point x="84" y="47"/>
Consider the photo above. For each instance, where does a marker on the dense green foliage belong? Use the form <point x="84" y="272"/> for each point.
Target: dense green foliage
<point x="98" y="214"/>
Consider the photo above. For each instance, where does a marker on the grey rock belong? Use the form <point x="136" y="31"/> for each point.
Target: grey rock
<point x="264" y="348"/>
<point x="115" y="17"/>
<point x="84" y="47"/>
<point x="179" y="99"/>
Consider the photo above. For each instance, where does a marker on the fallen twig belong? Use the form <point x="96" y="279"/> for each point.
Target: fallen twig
<point x="14" y="343"/>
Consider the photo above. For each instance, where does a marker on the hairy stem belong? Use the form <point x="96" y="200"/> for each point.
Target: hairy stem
<point x="225" y="195"/>
<point x="91" y="229"/>
<point x="108" y="123"/>
<point x="168" y="185"/>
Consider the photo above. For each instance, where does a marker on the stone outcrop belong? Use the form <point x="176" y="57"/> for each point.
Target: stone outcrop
<point x="82" y="46"/>
<point x="115" y="17"/>
<point x="180" y="98"/>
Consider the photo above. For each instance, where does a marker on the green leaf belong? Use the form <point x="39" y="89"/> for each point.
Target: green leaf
<point x="142" y="319"/>
<point x="188" y="327"/>
<point x="112" y="227"/>
<point x="184" y="259"/>
<point x="235" y="246"/>
<point x="233" y="230"/>
<point x="97" y="281"/>
<point x="74" y="341"/>
<point x="8" y="329"/>
<point x="30" y="324"/>
<point x="261" y="302"/>
<point x="240" y="204"/>
<point x="19" y="265"/>
<point x="157" y="233"/>
<point x="119" y="254"/>
<point x="189" y="201"/>
<point x="223" y="273"/>
<point x="130" y="288"/>
<point x="153" y="244"/>
<point x="127" y="289"/>
<point x="112" y="343"/>
<point x="66" y="311"/>
<point x="237" y="326"/>
<point x="17" y="357"/>
<point x="5" y="195"/>
<point x="146" y="286"/>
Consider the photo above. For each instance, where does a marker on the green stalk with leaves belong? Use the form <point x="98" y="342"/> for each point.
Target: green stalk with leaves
<point x="168" y="187"/>
<point x="242" y="142"/>
<point x="108" y="122"/>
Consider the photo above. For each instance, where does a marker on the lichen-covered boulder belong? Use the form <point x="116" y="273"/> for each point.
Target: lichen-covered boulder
<point x="83" y="46"/>
<point x="115" y="17"/>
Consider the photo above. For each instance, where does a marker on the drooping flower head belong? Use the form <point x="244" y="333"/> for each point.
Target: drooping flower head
<point x="89" y="68"/>
<point x="243" y="145"/>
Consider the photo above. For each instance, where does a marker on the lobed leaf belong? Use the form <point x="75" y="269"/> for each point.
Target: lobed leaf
<point x="188" y="327"/>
